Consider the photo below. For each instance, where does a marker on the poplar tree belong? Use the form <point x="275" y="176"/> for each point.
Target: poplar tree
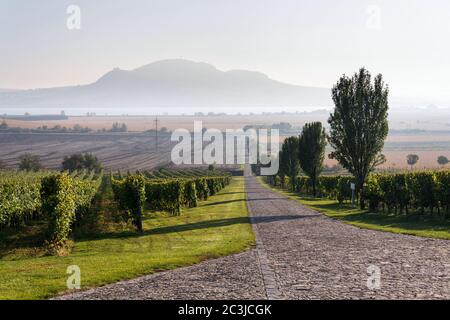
<point x="359" y="125"/>
<point x="312" y="143"/>
<point x="289" y="165"/>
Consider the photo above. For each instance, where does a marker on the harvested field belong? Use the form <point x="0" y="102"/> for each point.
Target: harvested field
<point x="115" y="151"/>
<point x="136" y="150"/>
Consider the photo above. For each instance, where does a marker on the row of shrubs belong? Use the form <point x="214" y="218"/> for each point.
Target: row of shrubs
<point x="171" y="195"/>
<point x="333" y="187"/>
<point x="399" y="193"/>
<point x="59" y="198"/>
<point x="20" y="199"/>
<point x="64" y="200"/>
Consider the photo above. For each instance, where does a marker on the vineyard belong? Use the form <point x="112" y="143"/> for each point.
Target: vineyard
<point x="164" y="190"/>
<point x="58" y="198"/>
<point x="398" y="193"/>
<point x="126" y="224"/>
<point x="61" y="199"/>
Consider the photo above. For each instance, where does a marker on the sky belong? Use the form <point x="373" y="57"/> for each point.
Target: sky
<point x="295" y="41"/>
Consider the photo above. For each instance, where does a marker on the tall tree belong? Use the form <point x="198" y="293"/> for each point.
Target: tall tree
<point x="358" y="125"/>
<point x="412" y="159"/>
<point x="442" y="160"/>
<point x="312" y="143"/>
<point x="30" y="162"/>
<point x="289" y="165"/>
<point x="81" y="161"/>
<point x="91" y="162"/>
<point x="73" y="162"/>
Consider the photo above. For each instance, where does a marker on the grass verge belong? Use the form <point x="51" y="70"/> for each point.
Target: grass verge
<point x="217" y="227"/>
<point x="414" y="224"/>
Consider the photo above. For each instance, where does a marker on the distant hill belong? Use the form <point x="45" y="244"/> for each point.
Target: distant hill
<point x="174" y="83"/>
<point x="8" y="90"/>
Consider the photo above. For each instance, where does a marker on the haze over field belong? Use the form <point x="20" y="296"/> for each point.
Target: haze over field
<point x="174" y="83"/>
<point x="131" y="60"/>
<point x="178" y="85"/>
<point x="295" y="47"/>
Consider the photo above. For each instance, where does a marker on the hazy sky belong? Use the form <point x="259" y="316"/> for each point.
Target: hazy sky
<point x="295" y="41"/>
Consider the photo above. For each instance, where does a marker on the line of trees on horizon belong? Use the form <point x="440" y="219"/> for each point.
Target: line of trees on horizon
<point x="412" y="159"/>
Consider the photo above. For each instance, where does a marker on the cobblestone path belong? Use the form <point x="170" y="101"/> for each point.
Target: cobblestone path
<point x="301" y="254"/>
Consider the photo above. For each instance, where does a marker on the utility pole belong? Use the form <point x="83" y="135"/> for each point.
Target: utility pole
<point x="156" y="133"/>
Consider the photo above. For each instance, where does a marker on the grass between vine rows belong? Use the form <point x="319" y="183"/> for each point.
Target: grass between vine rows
<point x="413" y="224"/>
<point x="217" y="227"/>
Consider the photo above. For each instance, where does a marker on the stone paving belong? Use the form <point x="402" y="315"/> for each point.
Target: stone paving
<point x="301" y="254"/>
<point x="315" y="257"/>
<point x="233" y="277"/>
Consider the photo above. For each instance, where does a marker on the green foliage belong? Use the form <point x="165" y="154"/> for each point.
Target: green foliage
<point x="422" y="186"/>
<point x="171" y="194"/>
<point x="343" y="192"/>
<point x="115" y="254"/>
<point x="201" y="187"/>
<point x="441" y="160"/>
<point x="59" y="204"/>
<point x="373" y="192"/>
<point x="412" y="159"/>
<point x="130" y="194"/>
<point x="289" y="164"/>
<point x="215" y="184"/>
<point x="190" y="193"/>
<point x="395" y="193"/>
<point x="19" y="197"/>
<point x="26" y="196"/>
<point x="311" y="151"/>
<point x="358" y="125"/>
<point x="29" y="162"/>
<point x="328" y="186"/>
<point x="165" y="195"/>
<point x="303" y="185"/>
<point x="62" y="197"/>
<point x="77" y="162"/>
<point x="442" y="189"/>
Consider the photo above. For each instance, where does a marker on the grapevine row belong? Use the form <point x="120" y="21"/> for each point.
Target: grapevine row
<point x="58" y="197"/>
<point x="170" y="194"/>
<point x="398" y="193"/>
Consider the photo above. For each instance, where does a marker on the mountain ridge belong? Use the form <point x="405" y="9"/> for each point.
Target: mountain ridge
<point x="174" y="83"/>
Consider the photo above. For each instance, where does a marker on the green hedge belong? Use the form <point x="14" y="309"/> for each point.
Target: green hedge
<point x="423" y="191"/>
<point x="172" y="195"/>
<point x="19" y="197"/>
<point x="399" y="193"/>
<point x="45" y="195"/>
<point x="190" y="199"/>
<point x="62" y="197"/>
<point x="169" y="195"/>
<point x="130" y="194"/>
<point x="201" y="187"/>
<point x="165" y="195"/>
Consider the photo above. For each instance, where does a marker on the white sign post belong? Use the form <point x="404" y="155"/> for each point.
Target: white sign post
<point x="353" y="187"/>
